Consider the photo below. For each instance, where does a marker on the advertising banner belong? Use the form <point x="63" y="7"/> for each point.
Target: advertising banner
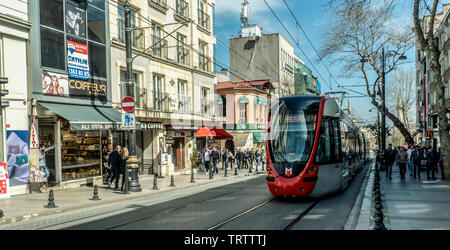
<point x="78" y="60"/>
<point x="61" y="85"/>
<point x="4" y="181"/>
<point x="75" y="20"/>
<point x="17" y="159"/>
<point x="55" y="84"/>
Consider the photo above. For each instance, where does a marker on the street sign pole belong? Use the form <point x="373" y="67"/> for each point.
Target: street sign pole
<point x="132" y="160"/>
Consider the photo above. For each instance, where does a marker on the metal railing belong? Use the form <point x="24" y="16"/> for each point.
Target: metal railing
<point x="204" y="63"/>
<point x="184" y="104"/>
<point x="137" y="36"/>
<point x="160" y="50"/>
<point x="183" y="55"/>
<point x="203" y="19"/>
<point x="162" y="3"/>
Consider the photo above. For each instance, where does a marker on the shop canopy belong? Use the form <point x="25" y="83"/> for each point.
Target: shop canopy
<point x="259" y="137"/>
<point x="221" y="134"/>
<point x="88" y="117"/>
<point x="205" y="132"/>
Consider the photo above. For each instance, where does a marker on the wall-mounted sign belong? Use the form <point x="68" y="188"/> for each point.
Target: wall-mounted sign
<point x="61" y="85"/>
<point x="55" y="84"/>
<point x="4" y="181"/>
<point x="78" y="60"/>
<point x="151" y="126"/>
<point x="91" y="88"/>
<point x="75" y="20"/>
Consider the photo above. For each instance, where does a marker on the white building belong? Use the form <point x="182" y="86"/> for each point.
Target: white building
<point x="173" y="69"/>
<point x="14" y="36"/>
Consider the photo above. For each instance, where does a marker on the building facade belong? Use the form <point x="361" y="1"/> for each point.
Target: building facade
<point x="426" y="108"/>
<point x="173" y="51"/>
<point x="14" y="38"/>
<point x="265" y="56"/>
<point x="245" y="105"/>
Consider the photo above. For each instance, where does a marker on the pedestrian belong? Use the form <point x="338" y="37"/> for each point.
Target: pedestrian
<point x="436" y="158"/>
<point x="402" y="160"/>
<point x="430" y="160"/>
<point x="263" y="159"/>
<point x="224" y="159"/>
<point x="43" y="163"/>
<point x="245" y="158"/>
<point x="215" y="156"/>
<point x="252" y="157"/>
<point x="389" y="160"/>
<point x="123" y="164"/>
<point x="207" y="159"/>
<point x="230" y="158"/>
<point x="114" y="164"/>
<point x="415" y="157"/>
<point x="239" y="157"/>
<point x="258" y="157"/>
<point x="410" y="163"/>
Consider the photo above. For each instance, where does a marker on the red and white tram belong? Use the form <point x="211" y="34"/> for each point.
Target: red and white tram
<point x="313" y="147"/>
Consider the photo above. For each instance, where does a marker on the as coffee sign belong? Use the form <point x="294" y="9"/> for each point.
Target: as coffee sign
<point x="78" y="60"/>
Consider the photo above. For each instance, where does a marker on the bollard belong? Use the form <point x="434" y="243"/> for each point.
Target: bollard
<point x="378" y="213"/>
<point x="211" y="173"/>
<point x="192" y="176"/>
<point x="172" y="181"/>
<point x="235" y="171"/>
<point x="51" y="200"/>
<point x="379" y="225"/>
<point x="1" y="213"/>
<point x="226" y="174"/>
<point x="95" y="197"/>
<point x="379" y="206"/>
<point x="155" y="183"/>
<point x="250" y="168"/>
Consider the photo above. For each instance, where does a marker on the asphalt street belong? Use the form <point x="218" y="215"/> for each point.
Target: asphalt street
<point x="249" y="202"/>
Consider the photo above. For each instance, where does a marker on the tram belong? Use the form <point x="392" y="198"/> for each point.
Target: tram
<point x="313" y="147"/>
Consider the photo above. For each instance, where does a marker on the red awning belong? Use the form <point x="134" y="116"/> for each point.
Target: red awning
<point x="205" y="132"/>
<point x="221" y="134"/>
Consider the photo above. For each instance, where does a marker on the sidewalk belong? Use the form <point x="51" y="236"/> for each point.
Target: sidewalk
<point x="28" y="206"/>
<point x="409" y="204"/>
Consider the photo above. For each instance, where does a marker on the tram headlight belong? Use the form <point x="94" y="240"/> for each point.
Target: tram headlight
<point x="308" y="171"/>
<point x="302" y="189"/>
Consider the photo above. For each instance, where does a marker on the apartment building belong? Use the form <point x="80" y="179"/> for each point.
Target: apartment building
<point x="427" y="117"/>
<point x="173" y="53"/>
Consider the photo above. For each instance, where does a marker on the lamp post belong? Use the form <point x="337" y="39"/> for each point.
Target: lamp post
<point x="134" y="186"/>
<point x="383" y="92"/>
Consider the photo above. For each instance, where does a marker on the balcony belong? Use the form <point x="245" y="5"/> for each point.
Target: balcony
<point x="203" y="20"/>
<point x="160" y="50"/>
<point x="183" y="55"/>
<point x="184" y="104"/>
<point x="137" y="36"/>
<point x="204" y="63"/>
<point x="159" y="5"/>
<point x="207" y="107"/>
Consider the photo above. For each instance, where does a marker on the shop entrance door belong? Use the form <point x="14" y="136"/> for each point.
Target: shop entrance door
<point x="178" y="150"/>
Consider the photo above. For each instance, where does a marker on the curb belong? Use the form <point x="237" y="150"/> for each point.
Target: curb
<point x="355" y="213"/>
<point x="123" y="198"/>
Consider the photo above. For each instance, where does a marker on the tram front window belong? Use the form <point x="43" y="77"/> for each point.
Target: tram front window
<point x="292" y="135"/>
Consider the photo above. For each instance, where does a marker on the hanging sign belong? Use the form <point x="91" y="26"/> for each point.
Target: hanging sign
<point x="78" y="60"/>
<point x="34" y="141"/>
<point x="4" y="181"/>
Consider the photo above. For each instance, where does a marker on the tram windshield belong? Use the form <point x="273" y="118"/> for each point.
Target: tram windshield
<point x="292" y="134"/>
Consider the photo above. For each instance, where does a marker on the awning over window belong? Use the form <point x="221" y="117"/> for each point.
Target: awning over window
<point x="243" y="99"/>
<point x="221" y="100"/>
<point x="88" y="117"/>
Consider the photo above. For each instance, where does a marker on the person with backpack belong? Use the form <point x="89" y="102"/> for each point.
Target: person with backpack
<point x="430" y="160"/>
<point x="389" y="160"/>
<point x="415" y="158"/>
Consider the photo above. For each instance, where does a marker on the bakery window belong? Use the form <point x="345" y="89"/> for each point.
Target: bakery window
<point x="81" y="153"/>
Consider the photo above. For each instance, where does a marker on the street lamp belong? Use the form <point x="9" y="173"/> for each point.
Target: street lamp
<point x="391" y="53"/>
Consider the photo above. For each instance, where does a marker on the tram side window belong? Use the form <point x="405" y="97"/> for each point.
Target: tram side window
<point x="337" y="141"/>
<point x="323" y="154"/>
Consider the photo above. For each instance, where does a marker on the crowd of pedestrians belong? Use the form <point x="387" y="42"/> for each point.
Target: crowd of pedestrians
<point x="244" y="158"/>
<point x="415" y="158"/>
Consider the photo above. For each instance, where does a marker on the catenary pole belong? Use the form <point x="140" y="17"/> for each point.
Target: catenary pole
<point x="134" y="186"/>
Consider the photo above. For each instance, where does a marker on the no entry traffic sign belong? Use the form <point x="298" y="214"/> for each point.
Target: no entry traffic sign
<point x="128" y="104"/>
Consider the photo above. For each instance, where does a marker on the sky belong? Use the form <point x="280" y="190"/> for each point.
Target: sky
<point x="314" y="19"/>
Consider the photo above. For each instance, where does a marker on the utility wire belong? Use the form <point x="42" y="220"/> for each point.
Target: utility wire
<point x="282" y="24"/>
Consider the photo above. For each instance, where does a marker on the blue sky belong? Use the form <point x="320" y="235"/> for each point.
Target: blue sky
<point x="314" y="19"/>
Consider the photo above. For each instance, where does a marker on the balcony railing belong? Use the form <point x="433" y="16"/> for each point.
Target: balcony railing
<point x="203" y="19"/>
<point x="182" y="8"/>
<point x="204" y="63"/>
<point x="160" y="49"/>
<point x="184" y="104"/>
<point x="162" y="3"/>
<point x="207" y="107"/>
<point x="183" y="55"/>
<point x="137" y="36"/>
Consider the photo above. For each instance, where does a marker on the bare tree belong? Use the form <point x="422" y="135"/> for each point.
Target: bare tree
<point x="427" y="39"/>
<point x="402" y="96"/>
<point x="360" y="31"/>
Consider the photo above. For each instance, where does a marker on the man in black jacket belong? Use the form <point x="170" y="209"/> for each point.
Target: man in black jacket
<point x="390" y="160"/>
<point x="415" y="158"/>
<point x="430" y="160"/>
<point x="215" y="158"/>
<point x="114" y="163"/>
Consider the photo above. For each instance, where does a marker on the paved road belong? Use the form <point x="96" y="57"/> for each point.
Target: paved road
<point x="207" y="209"/>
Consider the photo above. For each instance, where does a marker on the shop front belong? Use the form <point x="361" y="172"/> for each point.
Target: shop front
<point x="81" y="137"/>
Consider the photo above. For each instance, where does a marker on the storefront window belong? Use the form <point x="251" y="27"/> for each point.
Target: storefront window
<point x="52" y="49"/>
<point x="81" y="153"/>
<point x="51" y="12"/>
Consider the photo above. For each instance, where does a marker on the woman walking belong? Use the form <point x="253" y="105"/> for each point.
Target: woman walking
<point x="123" y="164"/>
